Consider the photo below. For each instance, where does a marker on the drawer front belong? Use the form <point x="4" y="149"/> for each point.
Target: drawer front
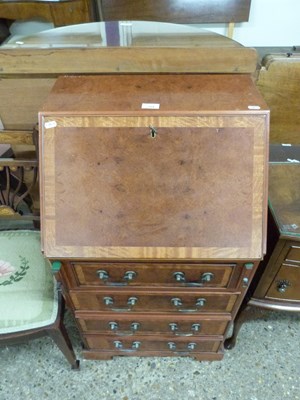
<point x="293" y="254"/>
<point x="134" y="345"/>
<point x="175" y="325"/>
<point x="117" y="302"/>
<point x="118" y="274"/>
<point x="286" y="284"/>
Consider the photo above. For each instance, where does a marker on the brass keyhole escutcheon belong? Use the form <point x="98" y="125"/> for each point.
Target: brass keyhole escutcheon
<point x="153" y="132"/>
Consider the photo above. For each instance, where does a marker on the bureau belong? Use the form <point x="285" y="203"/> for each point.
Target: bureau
<point x="153" y="194"/>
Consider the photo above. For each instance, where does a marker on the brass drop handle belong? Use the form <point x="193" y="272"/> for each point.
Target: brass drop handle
<point x="172" y="345"/>
<point x="179" y="276"/>
<point x="129" y="275"/>
<point x="114" y="326"/>
<point x="104" y="276"/>
<point x="207" y="277"/>
<point x="109" y="301"/>
<point x="283" y="285"/>
<point x="173" y="327"/>
<point x="177" y="302"/>
<point x="200" y="302"/>
<point x="132" y="301"/>
<point x="194" y="328"/>
<point x="134" y="346"/>
<point x="190" y="346"/>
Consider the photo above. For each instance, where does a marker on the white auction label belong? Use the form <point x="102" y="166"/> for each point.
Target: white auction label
<point x="50" y="124"/>
<point x="150" y="106"/>
<point x="253" y="108"/>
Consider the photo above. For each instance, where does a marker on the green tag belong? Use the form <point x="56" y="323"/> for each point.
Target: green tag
<point x="249" y="265"/>
<point x="56" y="265"/>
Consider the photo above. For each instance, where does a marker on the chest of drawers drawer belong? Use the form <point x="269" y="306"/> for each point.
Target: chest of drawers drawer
<point x="150" y="323"/>
<point x="191" y="301"/>
<point x="141" y="344"/>
<point x="293" y="254"/>
<point x="155" y="274"/>
<point x="286" y="284"/>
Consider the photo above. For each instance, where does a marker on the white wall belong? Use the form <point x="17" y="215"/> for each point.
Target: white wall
<point x="271" y="23"/>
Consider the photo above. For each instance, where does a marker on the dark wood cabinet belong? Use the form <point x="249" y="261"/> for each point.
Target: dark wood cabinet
<point x="60" y="12"/>
<point x="276" y="285"/>
<point x="153" y="191"/>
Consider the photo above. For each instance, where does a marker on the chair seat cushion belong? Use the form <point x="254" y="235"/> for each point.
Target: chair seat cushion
<point x="28" y="296"/>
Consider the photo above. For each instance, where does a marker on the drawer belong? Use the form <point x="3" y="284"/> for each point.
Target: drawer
<point x="139" y="344"/>
<point x="117" y="301"/>
<point x="293" y="254"/>
<point x="173" y="324"/>
<point x="286" y="284"/>
<point x="124" y="274"/>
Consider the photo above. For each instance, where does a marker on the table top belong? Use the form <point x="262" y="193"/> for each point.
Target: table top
<point x="284" y="188"/>
<point x="122" y="34"/>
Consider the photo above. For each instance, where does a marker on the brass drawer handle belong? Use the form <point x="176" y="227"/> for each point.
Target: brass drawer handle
<point x="177" y="302"/>
<point x="179" y="276"/>
<point x="102" y="274"/>
<point x="109" y="302"/>
<point x="114" y="326"/>
<point x="283" y="285"/>
<point x="190" y="347"/>
<point x="194" y="328"/>
<point x="127" y="278"/>
<point x="206" y="277"/>
<point x="134" y="346"/>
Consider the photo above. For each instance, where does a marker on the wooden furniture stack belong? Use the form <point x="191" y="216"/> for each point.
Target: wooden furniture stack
<point x="153" y="193"/>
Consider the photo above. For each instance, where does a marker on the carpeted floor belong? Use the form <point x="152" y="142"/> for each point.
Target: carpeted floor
<point x="264" y="365"/>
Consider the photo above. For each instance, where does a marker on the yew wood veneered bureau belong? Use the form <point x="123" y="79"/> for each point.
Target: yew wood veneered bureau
<point x="154" y="204"/>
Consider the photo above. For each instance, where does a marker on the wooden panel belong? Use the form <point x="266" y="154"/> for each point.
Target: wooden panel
<point x="153" y="208"/>
<point x="16" y="137"/>
<point x="61" y="13"/>
<point x="131" y="59"/>
<point x="186" y="11"/>
<point x="21" y="99"/>
<point x="279" y="80"/>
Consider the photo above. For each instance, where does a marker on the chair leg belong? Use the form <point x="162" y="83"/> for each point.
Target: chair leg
<point x="60" y="336"/>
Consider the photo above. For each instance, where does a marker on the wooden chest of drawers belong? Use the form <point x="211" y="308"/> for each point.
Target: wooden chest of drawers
<point x="153" y="191"/>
